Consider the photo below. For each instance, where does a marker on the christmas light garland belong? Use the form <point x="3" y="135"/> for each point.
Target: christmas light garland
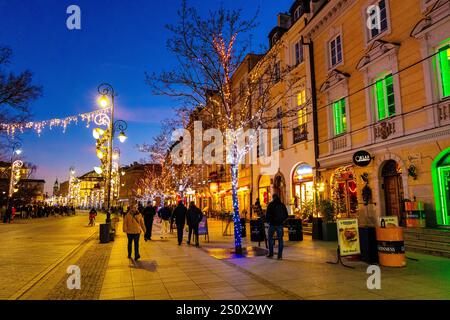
<point x="12" y="128"/>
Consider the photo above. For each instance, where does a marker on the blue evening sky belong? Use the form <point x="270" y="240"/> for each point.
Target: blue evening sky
<point x="118" y="42"/>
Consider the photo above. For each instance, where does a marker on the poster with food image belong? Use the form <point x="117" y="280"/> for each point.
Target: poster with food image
<point x="348" y="237"/>
<point x="388" y="222"/>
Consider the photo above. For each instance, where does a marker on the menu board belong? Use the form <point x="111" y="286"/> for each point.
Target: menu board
<point x="348" y="237"/>
<point x="388" y="222"/>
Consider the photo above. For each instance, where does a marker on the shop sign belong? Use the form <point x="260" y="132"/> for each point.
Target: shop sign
<point x="348" y="237"/>
<point x="203" y="226"/>
<point x="362" y="158"/>
<point x="388" y="222"/>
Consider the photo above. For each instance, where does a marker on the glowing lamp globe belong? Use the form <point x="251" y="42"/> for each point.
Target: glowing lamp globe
<point x="122" y="137"/>
<point x="103" y="101"/>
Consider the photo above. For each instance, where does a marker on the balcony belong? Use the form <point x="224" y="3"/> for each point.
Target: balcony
<point x="300" y="133"/>
<point x="341" y="143"/>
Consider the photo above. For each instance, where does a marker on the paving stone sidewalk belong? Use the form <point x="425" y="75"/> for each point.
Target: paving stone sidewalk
<point x="169" y="271"/>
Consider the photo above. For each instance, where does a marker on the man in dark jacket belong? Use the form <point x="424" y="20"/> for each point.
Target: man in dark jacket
<point x="164" y="214"/>
<point x="194" y="217"/>
<point x="179" y="215"/>
<point x="149" y="214"/>
<point x="276" y="215"/>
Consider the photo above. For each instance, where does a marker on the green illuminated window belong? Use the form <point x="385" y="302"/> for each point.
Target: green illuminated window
<point x="440" y="172"/>
<point x="339" y="117"/>
<point x="444" y="70"/>
<point x="384" y="97"/>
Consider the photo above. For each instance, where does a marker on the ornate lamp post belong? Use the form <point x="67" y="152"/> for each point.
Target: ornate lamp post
<point x="107" y="99"/>
<point x="16" y="165"/>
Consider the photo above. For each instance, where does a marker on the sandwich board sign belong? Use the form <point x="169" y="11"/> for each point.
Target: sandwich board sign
<point x="348" y="237"/>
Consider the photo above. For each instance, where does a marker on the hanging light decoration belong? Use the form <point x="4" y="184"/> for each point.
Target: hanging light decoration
<point x="12" y="128"/>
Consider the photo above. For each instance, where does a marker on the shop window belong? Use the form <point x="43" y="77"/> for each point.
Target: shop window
<point x="303" y="187"/>
<point x="384" y="97"/>
<point x="345" y="192"/>
<point x="440" y="171"/>
<point x="339" y="117"/>
<point x="443" y="58"/>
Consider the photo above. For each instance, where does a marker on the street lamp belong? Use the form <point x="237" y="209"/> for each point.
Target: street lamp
<point x="16" y="165"/>
<point x="107" y="99"/>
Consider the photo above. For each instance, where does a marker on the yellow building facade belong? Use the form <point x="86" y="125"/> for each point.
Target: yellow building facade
<point x="382" y="103"/>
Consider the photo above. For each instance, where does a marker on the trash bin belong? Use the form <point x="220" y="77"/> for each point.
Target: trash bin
<point x="257" y="230"/>
<point x="391" y="247"/>
<point x="104" y="232"/>
<point x="295" y="229"/>
<point x="243" y="228"/>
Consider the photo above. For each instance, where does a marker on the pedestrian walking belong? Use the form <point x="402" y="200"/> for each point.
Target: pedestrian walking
<point x="179" y="215"/>
<point x="8" y="214"/>
<point x="92" y="215"/>
<point x="149" y="213"/>
<point x="276" y="215"/>
<point x="164" y="214"/>
<point x="133" y="226"/>
<point x="194" y="217"/>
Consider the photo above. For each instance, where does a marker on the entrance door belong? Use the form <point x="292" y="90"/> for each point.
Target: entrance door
<point x="393" y="189"/>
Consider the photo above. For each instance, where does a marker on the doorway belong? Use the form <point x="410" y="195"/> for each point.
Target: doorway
<point x="393" y="189"/>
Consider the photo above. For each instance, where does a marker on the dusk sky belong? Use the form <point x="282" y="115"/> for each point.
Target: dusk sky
<point x="118" y="42"/>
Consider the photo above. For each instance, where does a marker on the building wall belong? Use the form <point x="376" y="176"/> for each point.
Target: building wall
<point x="419" y="136"/>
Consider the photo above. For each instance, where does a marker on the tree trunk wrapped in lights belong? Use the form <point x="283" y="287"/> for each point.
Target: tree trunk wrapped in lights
<point x="209" y="52"/>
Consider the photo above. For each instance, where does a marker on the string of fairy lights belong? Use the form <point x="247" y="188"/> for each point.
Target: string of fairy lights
<point x="38" y="126"/>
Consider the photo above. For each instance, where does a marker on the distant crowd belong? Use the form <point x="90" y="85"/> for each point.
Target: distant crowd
<point x="34" y="211"/>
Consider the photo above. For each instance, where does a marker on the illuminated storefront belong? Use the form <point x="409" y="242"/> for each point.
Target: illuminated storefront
<point x="345" y="191"/>
<point x="264" y="191"/>
<point x="302" y="186"/>
<point x="440" y="171"/>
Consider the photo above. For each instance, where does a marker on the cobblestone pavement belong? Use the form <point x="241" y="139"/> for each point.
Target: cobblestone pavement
<point x="92" y="265"/>
<point x="30" y="248"/>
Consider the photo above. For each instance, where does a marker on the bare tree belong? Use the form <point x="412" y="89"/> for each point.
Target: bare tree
<point x="209" y="51"/>
<point x="171" y="178"/>
<point x="16" y="92"/>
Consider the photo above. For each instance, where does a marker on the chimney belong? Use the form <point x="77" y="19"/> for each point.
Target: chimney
<point x="284" y="20"/>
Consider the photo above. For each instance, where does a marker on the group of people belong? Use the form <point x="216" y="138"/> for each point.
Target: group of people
<point x="135" y="223"/>
<point x="140" y="220"/>
<point x="9" y="213"/>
